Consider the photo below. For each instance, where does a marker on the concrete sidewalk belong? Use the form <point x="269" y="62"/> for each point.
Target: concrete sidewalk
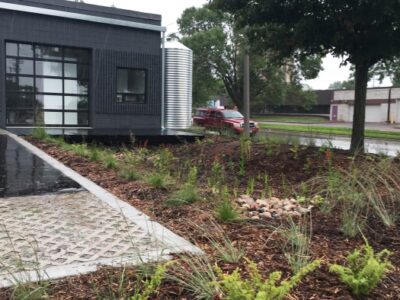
<point x="49" y="230"/>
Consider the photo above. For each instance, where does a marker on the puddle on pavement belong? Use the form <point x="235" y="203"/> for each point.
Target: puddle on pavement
<point x="374" y="146"/>
<point x="22" y="173"/>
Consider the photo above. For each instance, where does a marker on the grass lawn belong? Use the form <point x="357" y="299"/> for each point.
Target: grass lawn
<point x="291" y="119"/>
<point x="332" y="130"/>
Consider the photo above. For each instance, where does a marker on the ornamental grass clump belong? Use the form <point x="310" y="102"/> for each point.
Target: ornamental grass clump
<point x="188" y="194"/>
<point x="366" y="189"/>
<point x="234" y="287"/>
<point x="129" y="174"/>
<point x="298" y="241"/>
<point x="226" y="212"/>
<point x="364" y="269"/>
<point x="158" y="180"/>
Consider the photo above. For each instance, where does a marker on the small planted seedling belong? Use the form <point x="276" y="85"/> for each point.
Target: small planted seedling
<point x="217" y="177"/>
<point x="186" y="195"/>
<point x="109" y="161"/>
<point x="158" y="180"/>
<point x="130" y="174"/>
<point x="250" y="186"/>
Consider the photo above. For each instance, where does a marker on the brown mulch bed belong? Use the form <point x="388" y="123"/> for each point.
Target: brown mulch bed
<point x="285" y="167"/>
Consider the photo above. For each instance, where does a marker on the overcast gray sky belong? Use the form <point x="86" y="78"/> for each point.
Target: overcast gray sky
<point x="171" y="10"/>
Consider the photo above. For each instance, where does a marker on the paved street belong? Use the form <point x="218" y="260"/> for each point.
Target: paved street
<point x="372" y="126"/>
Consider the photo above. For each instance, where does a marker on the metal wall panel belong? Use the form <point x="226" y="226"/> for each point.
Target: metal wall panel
<point x="111" y="47"/>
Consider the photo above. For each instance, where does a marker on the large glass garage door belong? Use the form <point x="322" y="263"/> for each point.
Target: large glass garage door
<point x="46" y="85"/>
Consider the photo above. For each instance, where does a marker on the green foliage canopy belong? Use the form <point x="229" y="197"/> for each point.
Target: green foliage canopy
<point x="366" y="32"/>
<point x="218" y="46"/>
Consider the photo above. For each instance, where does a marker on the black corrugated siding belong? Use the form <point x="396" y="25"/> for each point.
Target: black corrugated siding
<point x="111" y="47"/>
<point x="107" y="62"/>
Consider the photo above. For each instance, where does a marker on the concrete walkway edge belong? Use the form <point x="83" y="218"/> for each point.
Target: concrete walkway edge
<point x="174" y="242"/>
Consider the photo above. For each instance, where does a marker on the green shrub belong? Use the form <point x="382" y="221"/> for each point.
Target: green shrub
<point x="186" y="195"/>
<point x="234" y="287"/>
<point x="151" y="285"/>
<point x="226" y="212"/>
<point x="364" y="269"/>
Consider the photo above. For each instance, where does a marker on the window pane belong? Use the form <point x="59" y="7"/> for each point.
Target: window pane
<point x="75" y="102"/>
<point x="134" y="98"/>
<point x="71" y="118"/>
<point x="11" y="66"/>
<point x="19" y="100"/>
<point x="20" y="117"/>
<point x="49" y="85"/>
<point x="75" y="87"/>
<point x="76" y="55"/>
<point x="48" y="68"/>
<point x="21" y="66"/>
<point x="45" y="52"/>
<point x="19" y="84"/>
<point x="49" y="102"/>
<point x="131" y="81"/>
<point x="76" y="71"/>
<point x="70" y="70"/>
<point x="25" y="50"/>
<point x="12" y="49"/>
<point x="76" y="118"/>
<point x="49" y="118"/>
<point x="11" y="83"/>
<point x="25" y="67"/>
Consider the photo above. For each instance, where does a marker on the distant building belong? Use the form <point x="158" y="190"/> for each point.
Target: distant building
<point x="378" y="109"/>
<point x="321" y="106"/>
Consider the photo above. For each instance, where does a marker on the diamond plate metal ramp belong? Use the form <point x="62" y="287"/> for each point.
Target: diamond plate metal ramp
<point x="63" y="234"/>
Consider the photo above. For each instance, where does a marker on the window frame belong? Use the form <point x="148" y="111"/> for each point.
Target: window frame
<point x="37" y="109"/>
<point x="130" y="94"/>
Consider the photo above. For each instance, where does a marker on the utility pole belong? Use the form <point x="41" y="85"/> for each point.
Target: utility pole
<point x="389" y="105"/>
<point x="246" y="94"/>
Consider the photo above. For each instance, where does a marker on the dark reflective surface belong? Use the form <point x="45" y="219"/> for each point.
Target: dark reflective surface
<point x="22" y="173"/>
<point x="117" y="136"/>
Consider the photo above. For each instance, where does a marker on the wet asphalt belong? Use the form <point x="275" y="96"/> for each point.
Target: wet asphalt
<point x="22" y="173"/>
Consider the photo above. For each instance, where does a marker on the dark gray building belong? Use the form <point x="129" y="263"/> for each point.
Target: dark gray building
<point x="69" y="64"/>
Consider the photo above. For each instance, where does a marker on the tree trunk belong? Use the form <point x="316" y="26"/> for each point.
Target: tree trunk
<point x="357" y="137"/>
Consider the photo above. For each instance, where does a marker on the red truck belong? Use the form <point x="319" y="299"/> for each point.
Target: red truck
<point x="222" y="119"/>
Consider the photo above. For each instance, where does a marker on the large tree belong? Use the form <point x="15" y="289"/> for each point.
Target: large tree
<point x="218" y="46"/>
<point x="365" y="32"/>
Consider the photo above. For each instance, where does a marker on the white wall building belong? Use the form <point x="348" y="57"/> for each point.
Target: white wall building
<point x="342" y="105"/>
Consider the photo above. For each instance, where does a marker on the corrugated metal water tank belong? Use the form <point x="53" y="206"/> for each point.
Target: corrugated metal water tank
<point x="178" y="85"/>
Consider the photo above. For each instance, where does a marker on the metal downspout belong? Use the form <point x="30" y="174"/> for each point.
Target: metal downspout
<point x="163" y="81"/>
